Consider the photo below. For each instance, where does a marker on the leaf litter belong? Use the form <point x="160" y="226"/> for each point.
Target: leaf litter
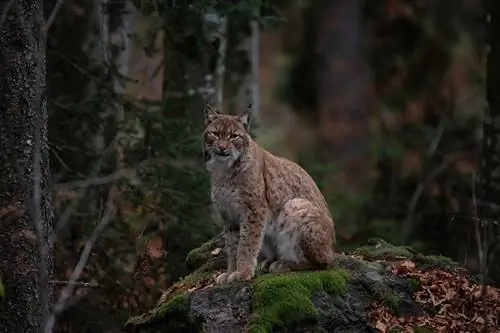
<point x="450" y="300"/>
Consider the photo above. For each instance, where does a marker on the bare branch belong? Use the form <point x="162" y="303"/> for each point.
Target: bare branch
<point x="52" y="16"/>
<point x="221" y="63"/>
<point x="69" y="210"/>
<point x="5" y="12"/>
<point x="76" y="284"/>
<point x="75" y="275"/>
<point x="482" y="253"/>
<point x="407" y="226"/>
<point x="127" y="173"/>
<point x="255" y="67"/>
<point x="120" y="174"/>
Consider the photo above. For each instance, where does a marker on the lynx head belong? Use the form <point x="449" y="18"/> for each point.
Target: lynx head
<point x="225" y="138"/>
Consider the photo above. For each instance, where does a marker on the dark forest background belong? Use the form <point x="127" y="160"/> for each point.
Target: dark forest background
<point x="383" y="102"/>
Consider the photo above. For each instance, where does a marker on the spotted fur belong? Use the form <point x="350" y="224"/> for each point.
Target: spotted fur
<point x="268" y="204"/>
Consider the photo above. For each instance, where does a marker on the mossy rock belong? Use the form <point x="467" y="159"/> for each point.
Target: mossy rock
<point x="378" y="249"/>
<point x="173" y="315"/>
<point x="335" y="300"/>
<point x="281" y="301"/>
<point x="269" y="303"/>
<point x="205" y="253"/>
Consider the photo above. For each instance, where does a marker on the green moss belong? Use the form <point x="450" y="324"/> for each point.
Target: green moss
<point x="284" y="300"/>
<point x="414" y="285"/>
<point x="379" y="249"/>
<point x="178" y="304"/>
<point x="422" y="329"/>
<point x="195" y="278"/>
<point x="197" y="257"/>
<point x="175" y="313"/>
<point x="435" y="261"/>
<point x="390" y="299"/>
<point x="393" y="301"/>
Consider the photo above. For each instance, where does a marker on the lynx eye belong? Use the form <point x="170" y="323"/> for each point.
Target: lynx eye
<point x="233" y="136"/>
<point x="214" y="133"/>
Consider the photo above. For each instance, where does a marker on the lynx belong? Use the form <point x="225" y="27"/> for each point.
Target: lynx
<point x="269" y="205"/>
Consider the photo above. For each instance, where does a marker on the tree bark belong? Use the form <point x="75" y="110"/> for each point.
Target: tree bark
<point x="22" y="113"/>
<point x="489" y="207"/>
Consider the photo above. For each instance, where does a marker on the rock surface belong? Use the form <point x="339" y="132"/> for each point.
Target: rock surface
<point x="337" y="300"/>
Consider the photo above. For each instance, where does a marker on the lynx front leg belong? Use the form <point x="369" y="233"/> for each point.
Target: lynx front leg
<point x="231" y="236"/>
<point x="251" y="235"/>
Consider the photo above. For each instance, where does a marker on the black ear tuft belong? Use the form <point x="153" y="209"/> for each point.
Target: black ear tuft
<point x="245" y="118"/>
<point x="210" y="114"/>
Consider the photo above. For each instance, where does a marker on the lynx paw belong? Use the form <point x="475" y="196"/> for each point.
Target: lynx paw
<point x="279" y="266"/>
<point x="240" y="276"/>
<point x="221" y="278"/>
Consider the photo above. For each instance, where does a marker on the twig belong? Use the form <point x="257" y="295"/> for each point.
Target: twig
<point x="4" y="14"/>
<point x="255" y="67"/>
<point x="69" y="210"/>
<point x="416" y="197"/>
<point x="129" y="173"/>
<point x="75" y="275"/>
<point x="437" y="139"/>
<point x="421" y="186"/>
<point x="52" y="16"/>
<point x="482" y="253"/>
<point x="76" y="284"/>
<point x="221" y="63"/>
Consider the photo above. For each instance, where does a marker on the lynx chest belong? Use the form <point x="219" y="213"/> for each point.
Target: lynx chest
<point x="227" y="201"/>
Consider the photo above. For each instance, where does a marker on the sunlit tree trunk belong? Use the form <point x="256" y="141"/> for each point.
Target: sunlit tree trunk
<point x="23" y="114"/>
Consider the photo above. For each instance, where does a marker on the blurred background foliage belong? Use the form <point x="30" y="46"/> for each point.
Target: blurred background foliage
<point x="381" y="101"/>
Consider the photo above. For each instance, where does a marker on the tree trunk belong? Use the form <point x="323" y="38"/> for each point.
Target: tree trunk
<point x="489" y="208"/>
<point x="343" y="82"/>
<point x="23" y="112"/>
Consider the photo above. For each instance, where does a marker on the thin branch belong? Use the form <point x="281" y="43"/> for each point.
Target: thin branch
<point x="221" y="63"/>
<point x="482" y="253"/>
<point x="52" y="16"/>
<point x="65" y="216"/>
<point x="75" y="275"/>
<point x="407" y="225"/>
<point x="123" y="173"/>
<point x="255" y="67"/>
<point x="119" y="98"/>
<point x="437" y="138"/>
<point x="3" y="18"/>
<point x="128" y="173"/>
<point x="76" y="284"/>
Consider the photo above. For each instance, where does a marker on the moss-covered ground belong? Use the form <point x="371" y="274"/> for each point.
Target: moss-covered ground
<point x="199" y="256"/>
<point x="279" y="301"/>
<point x="285" y="299"/>
<point x="174" y="314"/>
<point x="378" y="249"/>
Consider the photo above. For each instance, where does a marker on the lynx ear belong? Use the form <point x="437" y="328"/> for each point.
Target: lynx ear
<point x="245" y="118"/>
<point x="210" y="114"/>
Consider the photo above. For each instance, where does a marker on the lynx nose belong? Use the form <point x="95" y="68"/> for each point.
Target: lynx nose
<point x="222" y="148"/>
